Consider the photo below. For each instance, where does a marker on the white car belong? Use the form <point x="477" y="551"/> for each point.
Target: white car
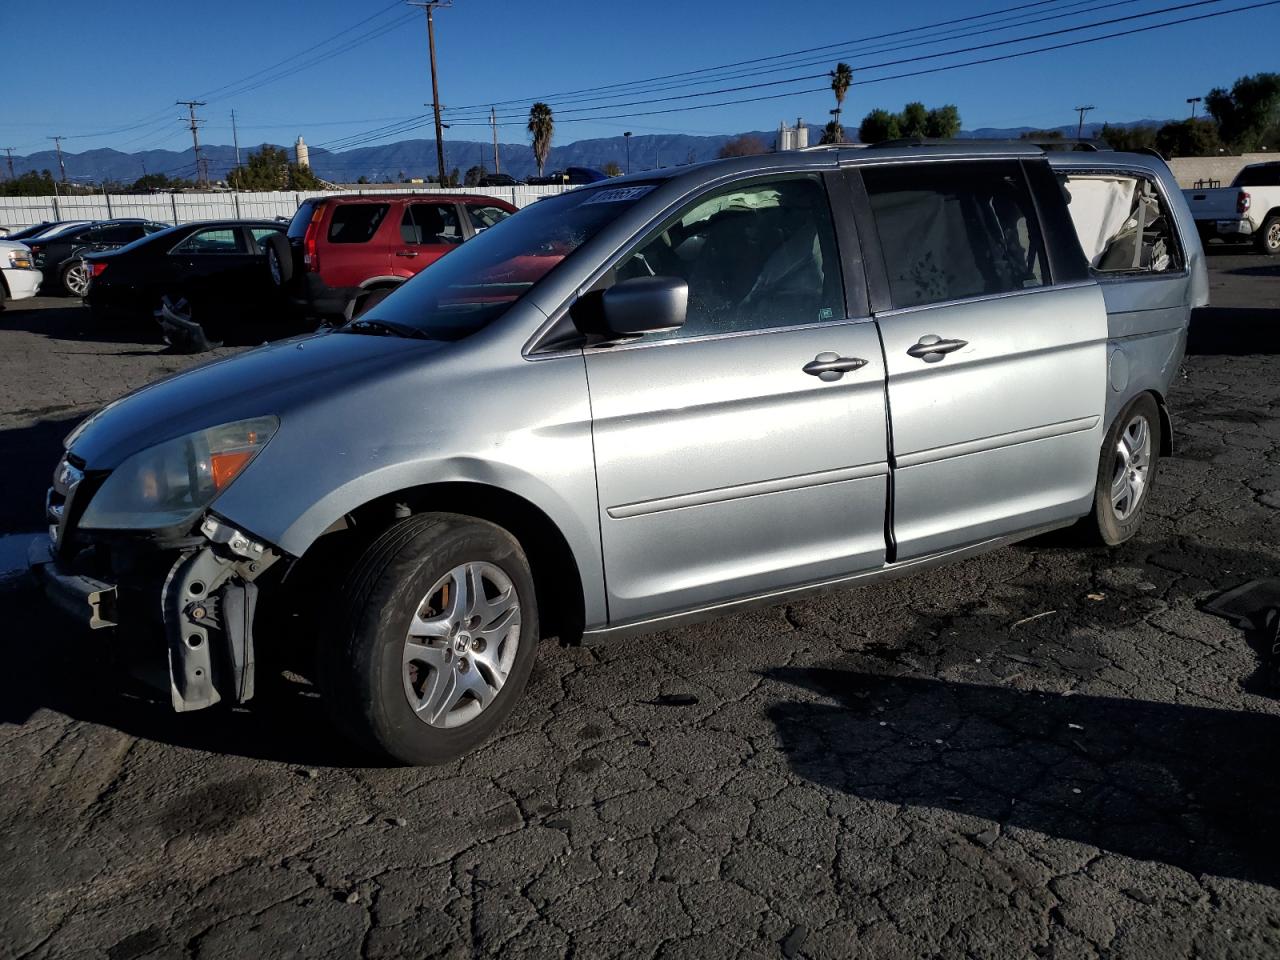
<point x="19" y="278"/>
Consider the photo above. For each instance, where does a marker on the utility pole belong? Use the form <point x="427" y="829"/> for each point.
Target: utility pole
<point x="626" y="138"/>
<point x="1080" y="127"/>
<point x="493" y="123"/>
<point x="429" y="5"/>
<point x="62" y="167"/>
<point x="1193" y="101"/>
<point x="235" y="138"/>
<point x="202" y="173"/>
<point x="9" y="153"/>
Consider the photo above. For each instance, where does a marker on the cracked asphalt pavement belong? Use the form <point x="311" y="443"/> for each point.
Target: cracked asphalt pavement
<point x="1047" y="751"/>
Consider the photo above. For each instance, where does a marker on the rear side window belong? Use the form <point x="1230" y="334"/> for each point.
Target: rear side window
<point x="356" y="222"/>
<point x="120" y="233"/>
<point x="1123" y="223"/>
<point x="485" y="217"/>
<point x="954" y="231"/>
<point x="260" y="234"/>
<point x="433" y="223"/>
<point x="302" y="219"/>
<point x="1265" y="175"/>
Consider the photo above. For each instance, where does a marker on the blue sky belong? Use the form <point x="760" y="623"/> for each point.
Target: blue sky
<point x="107" y="78"/>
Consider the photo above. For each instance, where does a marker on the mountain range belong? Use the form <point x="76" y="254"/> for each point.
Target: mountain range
<point x="392" y="162"/>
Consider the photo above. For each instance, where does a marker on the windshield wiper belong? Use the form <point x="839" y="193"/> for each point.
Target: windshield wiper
<point x="384" y="328"/>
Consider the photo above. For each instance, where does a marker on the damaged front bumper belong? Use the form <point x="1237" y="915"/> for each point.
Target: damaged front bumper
<point x="207" y="599"/>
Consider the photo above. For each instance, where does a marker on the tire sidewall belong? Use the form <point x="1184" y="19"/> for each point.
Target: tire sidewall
<point x="1263" y="245"/>
<point x="379" y="629"/>
<point x="1111" y="528"/>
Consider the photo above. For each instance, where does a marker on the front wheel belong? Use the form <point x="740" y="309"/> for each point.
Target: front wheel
<point x="1269" y="236"/>
<point x="438" y="633"/>
<point x="1126" y="471"/>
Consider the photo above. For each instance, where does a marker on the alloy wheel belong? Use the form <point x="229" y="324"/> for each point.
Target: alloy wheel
<point x="76" y="279"/>
<point x="461" y="644"/>
<point x="1272" y="239"/>
<point x="1132" y="468"/>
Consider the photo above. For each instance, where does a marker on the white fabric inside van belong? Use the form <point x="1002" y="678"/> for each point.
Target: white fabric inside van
<point x="1099" y="207"/>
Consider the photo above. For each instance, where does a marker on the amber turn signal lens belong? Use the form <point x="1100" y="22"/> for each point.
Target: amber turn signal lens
<point x="227" y="465"/>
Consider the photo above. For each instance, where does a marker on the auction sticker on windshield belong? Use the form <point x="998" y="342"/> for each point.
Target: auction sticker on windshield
<point x="619" y="194"/>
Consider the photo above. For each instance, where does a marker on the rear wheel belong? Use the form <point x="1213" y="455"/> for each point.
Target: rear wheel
<point x="1269" y="236"/>
<point x="438" y="634"/>
<point x="75" y="278"/>
<point x="1126" y="471"/>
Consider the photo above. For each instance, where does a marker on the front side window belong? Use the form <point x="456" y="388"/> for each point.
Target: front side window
<point x="432" y="223"/>
<point x="216" y="240"/>
<point x="356" y="222"/>
<point x="950" y="231"/>
<point x="755" y="256"/>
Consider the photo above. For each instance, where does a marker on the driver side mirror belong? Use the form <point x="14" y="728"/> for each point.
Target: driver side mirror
<point x="633" y="307"/>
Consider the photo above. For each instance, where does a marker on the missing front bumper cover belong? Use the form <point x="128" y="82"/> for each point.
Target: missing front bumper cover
<point x="88" y="601"/>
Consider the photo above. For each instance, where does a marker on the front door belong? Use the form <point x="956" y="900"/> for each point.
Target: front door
<point x="996" y="376"/>
<point x="745" y="452"/>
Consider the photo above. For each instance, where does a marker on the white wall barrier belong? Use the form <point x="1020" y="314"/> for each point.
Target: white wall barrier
<point x="178" y="208"/>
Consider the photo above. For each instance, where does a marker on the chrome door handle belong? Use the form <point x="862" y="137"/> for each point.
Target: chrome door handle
<point x="831" y="366"/>
<point x="406" y="253"/>
<point x="932" y="348"/>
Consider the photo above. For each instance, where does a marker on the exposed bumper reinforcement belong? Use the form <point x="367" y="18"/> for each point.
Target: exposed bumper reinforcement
<point x="87" y="601"/>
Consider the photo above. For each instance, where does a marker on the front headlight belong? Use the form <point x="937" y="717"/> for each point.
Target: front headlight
<point x="169" y="484"/>
<point x="21" y="259"/>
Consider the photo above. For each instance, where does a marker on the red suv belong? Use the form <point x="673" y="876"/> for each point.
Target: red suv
<point x="345" y="248"/>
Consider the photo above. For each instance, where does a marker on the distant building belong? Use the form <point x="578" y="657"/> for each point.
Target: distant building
<point x="302" y="153"/>
<point x="793" y="138"/>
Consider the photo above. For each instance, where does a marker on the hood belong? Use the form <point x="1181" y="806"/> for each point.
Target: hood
<point x="270" y="381"/>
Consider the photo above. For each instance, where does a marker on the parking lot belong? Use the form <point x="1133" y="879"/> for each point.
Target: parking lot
<point x="1045" y="751"/>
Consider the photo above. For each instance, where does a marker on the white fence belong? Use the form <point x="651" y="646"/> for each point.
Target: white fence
<point x="184" y="207"/>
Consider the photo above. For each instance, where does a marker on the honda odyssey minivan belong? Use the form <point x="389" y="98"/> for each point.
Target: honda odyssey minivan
<point x="638" y="403"/>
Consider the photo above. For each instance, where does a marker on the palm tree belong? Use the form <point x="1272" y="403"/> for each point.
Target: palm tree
<point x="541" y="126"/>
<point x="841" y="80"/>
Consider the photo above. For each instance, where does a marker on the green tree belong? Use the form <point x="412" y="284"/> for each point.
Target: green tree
<point x="612" y="169"/>
<point x="841" y="80"/>
<point x="159" y="181"/>
<point x="474" y="174"/>
<point x="1041" y="135"/>
<point x="1248" y="115"/>
<point x="1189" y="138"/>
<point x="744" y="146"/>
<point x="879" y="125"/>
<point x="832" y="132"/>
<point x="914" y="120"/>
<point x="269" y="168"/>
<point x="1128" y="138"/>
<point x="541" y="128"/>
<point x="29" y="184"/>
<point x="362" y="179"/>
<point x="942" y="122"/>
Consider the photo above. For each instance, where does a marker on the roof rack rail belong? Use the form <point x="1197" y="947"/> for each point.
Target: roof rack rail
<point x="831" y="146"/>
<point x="1064" y="143"/>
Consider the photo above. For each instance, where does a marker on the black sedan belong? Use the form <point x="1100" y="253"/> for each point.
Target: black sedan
<point x="61" y="256"/>
<point x="203" y="281"/>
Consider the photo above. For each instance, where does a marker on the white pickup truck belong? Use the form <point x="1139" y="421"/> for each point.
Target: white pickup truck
<point x="1248" y="209"/>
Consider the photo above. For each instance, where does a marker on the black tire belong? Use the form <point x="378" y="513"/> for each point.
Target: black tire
<point x="69" y="278"/>
<point x="1268" y="240"/>
<point x="361" y="669"/>
<point x="279" y="259"/>
<point x="1112" y="524"/>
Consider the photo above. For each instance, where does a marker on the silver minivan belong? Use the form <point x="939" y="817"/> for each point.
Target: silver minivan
<point x="641" y="402"/>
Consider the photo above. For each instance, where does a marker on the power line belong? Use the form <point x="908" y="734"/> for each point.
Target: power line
<point x="886" y="63"/>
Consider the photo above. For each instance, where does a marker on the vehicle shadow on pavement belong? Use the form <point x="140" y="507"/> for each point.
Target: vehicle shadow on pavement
<point x="75" y="322"/>
<point x="29" y="455"/>
<point x="1192" y="787"/>
<point x="51" y="664"/>
<point x="1234" y="331"/>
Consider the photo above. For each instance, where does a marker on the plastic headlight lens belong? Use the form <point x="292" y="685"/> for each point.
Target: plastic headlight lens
<point x="167" y="485"/>
<point x="20" y="259"/>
